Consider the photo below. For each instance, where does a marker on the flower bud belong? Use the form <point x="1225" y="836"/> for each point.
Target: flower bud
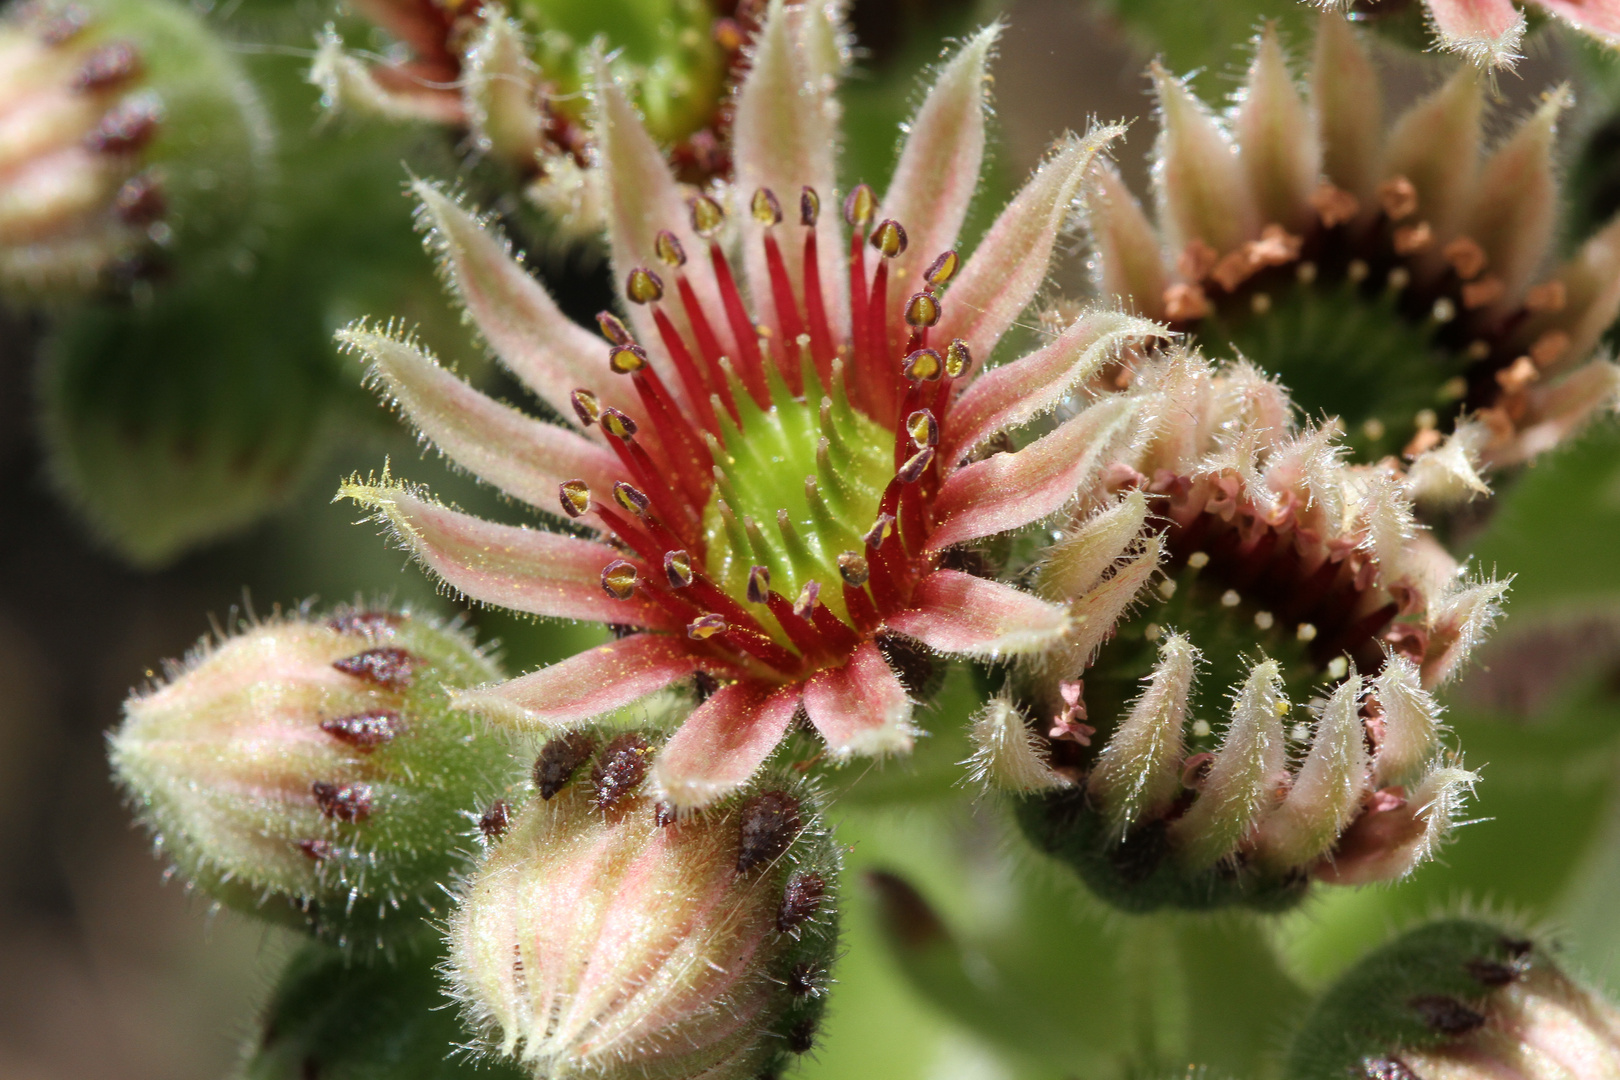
<point x="337" y="1020"/>
<point x="128" y="135"/>
<point x="314" y="772"/>
<point x="1458" y="999"/>
<point x="604" y="936"/>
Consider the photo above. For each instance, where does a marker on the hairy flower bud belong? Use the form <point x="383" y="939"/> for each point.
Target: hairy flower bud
<point x="604" y="936"/>
<point x="128" y="135"/>
<point x="314" y="772"/>
<point x="1458" y="999"/>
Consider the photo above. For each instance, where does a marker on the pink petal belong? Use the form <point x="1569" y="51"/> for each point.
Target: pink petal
<point x="786" y="137"/>
<point x="523" y="569"/>
<point x="524" y="457"/>
<point x="1600" y="18"/>
<point x="724" y="742"/>
<point x="1011" y="263"/>
<point x="1435" y="144"/>
<point x="552" y="354"/>
<point x="1516" y="200"/>
<point x="860" y="708"/>
<point x="593" y="682"/>
<point x="1130" y="266"/>
<point x="642" y="198"/>
<point x="1203" y="192"/>
<point x="1486" y="32"/>
<point x="1348" y="95"/>
<point x="1276" y="138"/>
<point x="1009" y="490"/>
<point x="959" y="613"/>
<point x="1016" y="393"/>
<point x="939" y="167"/>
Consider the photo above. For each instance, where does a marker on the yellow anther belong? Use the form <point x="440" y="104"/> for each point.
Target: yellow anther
<point x="942" y="269"/>
<point x="586" y="407"/>
<point x="630" y="498"/>
<point x="809" y="206"/>
<point x="705" y="626"/>
<point x="923" y="428"/>
<point x="707" y="216"/>
<point x="627" y="358"/>
<point x="889" y="238"/>
<point x="759" y="584"/>
<point x="957" y="358"/>
<point x="765" y="208"/>
<point x="619" y="579"/>
<point x="617" y="424"/>
<point x="922" y="310"/>
<point x="880" y="531"/>
<point x="669" y="250"/>
<point x="613" y="329"/>
<point x="678" y="569"/>
<point x="860" y="206"/>
<point x="924" y="365"/>
<point x="575" y="496"/>
<point x="643" y="286"/>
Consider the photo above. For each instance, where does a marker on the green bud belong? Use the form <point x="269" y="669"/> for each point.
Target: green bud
<point x="336" y="1020"/>
<point x="129" y="136"/>
<point x="1458" y="999"/>
<point x="604" y="936"/>
<point x="315" y="773"/>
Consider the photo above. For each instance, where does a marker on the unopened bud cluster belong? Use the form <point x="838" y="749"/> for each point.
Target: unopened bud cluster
<point x="314" y="772"/>
<point x="126" y="132"/>
<point x="604" y="935"/>
<point x="1458" y="999"/>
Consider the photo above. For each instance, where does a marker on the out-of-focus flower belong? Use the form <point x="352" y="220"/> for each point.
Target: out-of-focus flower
<point x="1458" y="999"/>
<point x="128" y="137"/>
<point x="1391" y="279"/>
<point x="769" y="489"/>
<point x="314" y="772"/>
<point x="1488" y="32"/>
<point x="604" y="936"/>
<point x="1226" y="546"/>
<point x="517" y="81"/>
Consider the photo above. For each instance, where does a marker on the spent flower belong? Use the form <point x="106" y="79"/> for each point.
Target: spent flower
<point x="764" y="491"/>
<point x="313" y="771"/>
<point x="515" y="80"/>
<point x="1394" y="279"/>
<point x="602" y="936"/>
<point x="1220" y="543"/>
<point x="1489" y="33"/>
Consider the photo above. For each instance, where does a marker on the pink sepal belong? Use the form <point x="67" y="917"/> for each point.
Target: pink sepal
<point x="723" y="742"/>
<point x="860" y="708"/>
<point x="594" y="682"/>
<point x="959" y="613"/>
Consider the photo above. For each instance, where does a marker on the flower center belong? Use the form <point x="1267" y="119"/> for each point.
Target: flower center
<point x="1369" y="317"/>
<point x="797" y="485"/>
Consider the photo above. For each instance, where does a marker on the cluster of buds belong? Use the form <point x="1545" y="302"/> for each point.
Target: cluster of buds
<point x="1220" y="536"/>
<point x="605" y="935"/>
<point x="313" y="772"/>
<point x="127" y="134"/>
<point x="1390" y="279"/>
<point x="517" y="80"/>
<point x="1458" y="999"/>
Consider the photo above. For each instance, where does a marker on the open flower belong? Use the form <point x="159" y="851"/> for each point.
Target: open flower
<point x="1489" y="32"/>
<point x="516" y="84"/>
<point x="1388" y="278"/>
<point x="765" y="488"/>
<point x="1225" y="547"/>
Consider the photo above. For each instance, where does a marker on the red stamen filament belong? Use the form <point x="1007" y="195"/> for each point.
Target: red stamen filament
<point x="750" y="368"/>
<point x="821" y="346"/>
